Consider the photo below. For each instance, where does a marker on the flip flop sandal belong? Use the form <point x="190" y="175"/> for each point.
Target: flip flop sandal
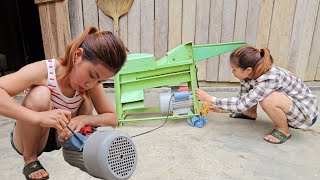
<point x="279" y="135"/>
<point x="241" y="116"/>
<point x="32" y="167"/>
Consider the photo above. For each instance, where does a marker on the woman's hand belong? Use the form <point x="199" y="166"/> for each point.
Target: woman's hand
<point x="76" y="124"/>
<point x="56" y="118"/>
<point x="203" y="96"/>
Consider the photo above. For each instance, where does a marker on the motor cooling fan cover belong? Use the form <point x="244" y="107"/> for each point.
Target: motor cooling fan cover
<point x="106" y="154"/>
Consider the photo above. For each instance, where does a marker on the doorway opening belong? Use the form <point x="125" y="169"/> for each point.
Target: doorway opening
<point x="20" y="35"/>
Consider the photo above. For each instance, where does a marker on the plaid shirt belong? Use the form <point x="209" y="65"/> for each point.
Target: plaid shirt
<point x="300" y="115"/>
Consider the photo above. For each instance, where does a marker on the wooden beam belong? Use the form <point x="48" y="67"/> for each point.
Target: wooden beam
<point x="134" y="27"/>
<point x="264" y="24"/>
<point x="240" y="26"/>
<point x="228" y="18"/>
<point x="55" y="27"/>
<point x="45" y="1"/>
<point x="147" y="26"/>
<point x="161" y="29"/>
<point x="280" y="31"/>
<point x="215" y="24"/>
<point x="175" y="23"/>
<point x="202" y="33"/>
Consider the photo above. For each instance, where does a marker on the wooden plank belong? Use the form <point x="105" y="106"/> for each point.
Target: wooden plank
<point x="90" y="13"/>
<point x="161" y="28"/>
<point x="202" y="33"/>
<point x="134" y="27"/>
<point x="229" y="9"/>
<point x="315" y="50"/>
<point x="63" y="27"/>
<point x="188" y="20"/>
<point x="45" y="30"/>
<point x="240" y="26"/>
<point x="253" y="22"/>
<point x="306" y="41"/>
<point x="215" y="26"/>
<point x="75" y="18"/>
<point x="297" y="30"/>
<point x="53" y="26"/>
<point x="280" y="32"/>
<point x="241" y="20"/>
<point x="105" y="22"/>
<point x="123" y="25"/>
<point x="264" y="23"/>
<point x="175" y="23"/>
<point x="54" y="19"/>
<point x="147" y="26"/>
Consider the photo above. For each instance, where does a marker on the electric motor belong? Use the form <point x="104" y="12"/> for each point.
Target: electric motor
<point x="177" y="103"/>
<point x="106" y="154"/>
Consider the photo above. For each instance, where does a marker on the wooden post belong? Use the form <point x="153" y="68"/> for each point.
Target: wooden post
<point x="55" y="26"/>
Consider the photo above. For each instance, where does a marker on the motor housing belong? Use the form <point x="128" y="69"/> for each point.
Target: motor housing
<point x="176" y="103"/>
<point x="106" y="154"/>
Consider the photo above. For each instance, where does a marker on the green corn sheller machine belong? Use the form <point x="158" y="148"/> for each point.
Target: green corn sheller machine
<point x="141" y="72"/>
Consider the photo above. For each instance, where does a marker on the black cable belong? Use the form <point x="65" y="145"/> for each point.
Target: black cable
<point x="75" y="135"/>
<point x="197" y="77"/>
<point x="159" y="126"/>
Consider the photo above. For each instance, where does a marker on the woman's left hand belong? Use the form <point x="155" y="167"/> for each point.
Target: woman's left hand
<point x="76" y="124"/>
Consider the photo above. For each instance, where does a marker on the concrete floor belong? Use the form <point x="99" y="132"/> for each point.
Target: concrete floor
<point x="224" y="148"/>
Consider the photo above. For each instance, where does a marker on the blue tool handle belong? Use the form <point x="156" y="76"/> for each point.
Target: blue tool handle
<point x="74" y="143"/>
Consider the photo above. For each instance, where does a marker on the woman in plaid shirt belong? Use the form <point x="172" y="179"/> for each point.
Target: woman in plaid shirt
<point x="283" y="96"/>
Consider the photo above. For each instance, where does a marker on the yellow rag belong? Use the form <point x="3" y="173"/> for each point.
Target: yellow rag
<point x="204" y="109"/>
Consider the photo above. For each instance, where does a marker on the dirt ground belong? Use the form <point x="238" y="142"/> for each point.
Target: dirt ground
<point x="224" y="148"/>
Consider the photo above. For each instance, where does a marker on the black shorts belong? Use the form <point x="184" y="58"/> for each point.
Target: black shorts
<point x="50" y="146"/>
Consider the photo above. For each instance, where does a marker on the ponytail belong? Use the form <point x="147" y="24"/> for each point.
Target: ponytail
<point x="260" y="60"/>
<point x="264" y="64"/>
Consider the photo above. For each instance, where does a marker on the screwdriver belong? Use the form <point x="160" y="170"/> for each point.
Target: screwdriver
<point x="77" y="137"/>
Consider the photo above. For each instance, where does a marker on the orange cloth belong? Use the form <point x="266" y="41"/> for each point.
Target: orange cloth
<point x="204" y="109"/>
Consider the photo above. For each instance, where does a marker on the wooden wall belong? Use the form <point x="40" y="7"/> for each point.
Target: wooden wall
<point x="55" y="26"/>
<point x="289" y="28"/>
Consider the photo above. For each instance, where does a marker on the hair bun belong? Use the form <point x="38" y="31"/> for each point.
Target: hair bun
<point x="92" y="30"/>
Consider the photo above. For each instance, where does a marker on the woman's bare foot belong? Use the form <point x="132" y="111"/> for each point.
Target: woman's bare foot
<point x="252" y="115"/>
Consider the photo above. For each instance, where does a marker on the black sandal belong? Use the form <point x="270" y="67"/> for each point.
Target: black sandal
<point x="32" y="167"/>
<point x="241" y="116"/>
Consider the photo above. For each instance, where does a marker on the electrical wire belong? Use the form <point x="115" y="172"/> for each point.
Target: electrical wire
<point x="159" y="126"/>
